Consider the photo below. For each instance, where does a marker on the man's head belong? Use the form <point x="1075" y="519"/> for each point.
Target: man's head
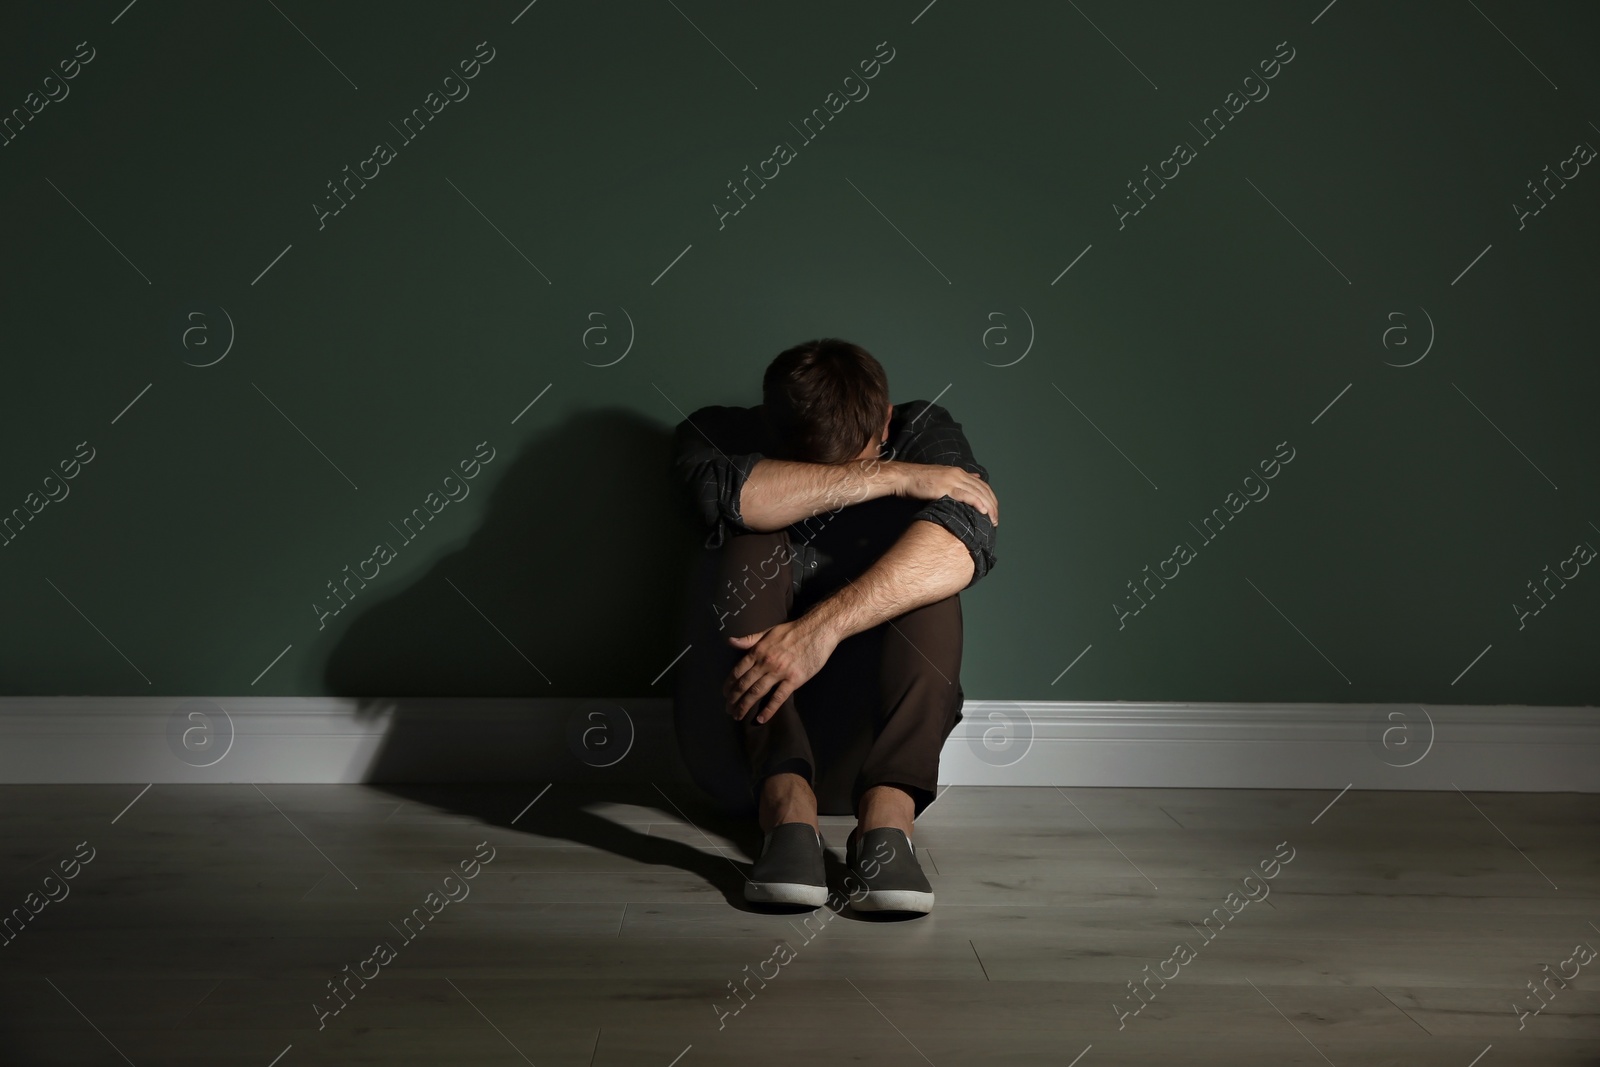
<point x="828" y="400"/>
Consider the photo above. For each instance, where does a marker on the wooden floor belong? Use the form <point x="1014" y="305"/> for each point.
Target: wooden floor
<point x="608" y="925"/>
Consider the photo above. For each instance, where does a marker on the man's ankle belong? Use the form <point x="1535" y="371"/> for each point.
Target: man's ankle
<point x="787" y="798"/>
<point x="885" y="806"/>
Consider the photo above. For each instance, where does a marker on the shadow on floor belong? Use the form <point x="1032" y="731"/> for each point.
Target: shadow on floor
<point x="572" y="587"/>
<point x="563" y="813"/>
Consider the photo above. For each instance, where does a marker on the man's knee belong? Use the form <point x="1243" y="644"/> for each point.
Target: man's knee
<point x="753" y="575"/>
<point x="931" y="635"/>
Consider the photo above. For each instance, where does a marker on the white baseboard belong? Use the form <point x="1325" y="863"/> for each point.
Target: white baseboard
<point x="1277" y="746"/>
<point x="332" y="739"/>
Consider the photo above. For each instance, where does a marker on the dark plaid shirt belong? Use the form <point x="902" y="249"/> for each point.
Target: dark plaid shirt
<point x="715" y="448"/>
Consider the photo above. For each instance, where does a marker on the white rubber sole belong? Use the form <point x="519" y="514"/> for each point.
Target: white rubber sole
<point x="786" y="893"/>
<point x="895" y="900"/>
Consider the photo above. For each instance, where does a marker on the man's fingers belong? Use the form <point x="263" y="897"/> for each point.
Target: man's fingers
<point x="779" y="695"/>
<point x="735" y="676"/>
<point x="984" y="502"/>
<point x="736" y="706"/>
<point x="974" y="491"/>
<point x="991" y="503"/>
<point x="981" y="502"/>
<point x="752" y="696"/>
<point x="740" y="689"/>
<point x="752" y="638"/>
<point x="732" y="687"/>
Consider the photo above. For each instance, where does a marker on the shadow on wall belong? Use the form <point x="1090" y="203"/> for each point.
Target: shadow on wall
<point x="578" y="570"/>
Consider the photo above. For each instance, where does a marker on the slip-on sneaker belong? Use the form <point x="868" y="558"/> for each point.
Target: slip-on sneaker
<point x="790" y="870"/>
<point x="885" y="862"/>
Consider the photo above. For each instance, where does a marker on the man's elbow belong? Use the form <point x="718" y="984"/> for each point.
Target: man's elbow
<point x="948" y="551"/>
<point x="983" y="561"/>
<point x="978" y="552"/>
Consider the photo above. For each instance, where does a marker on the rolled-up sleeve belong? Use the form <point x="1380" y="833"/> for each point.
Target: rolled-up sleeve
<point x="712" y="478"/>
<point x="935" y="437"/>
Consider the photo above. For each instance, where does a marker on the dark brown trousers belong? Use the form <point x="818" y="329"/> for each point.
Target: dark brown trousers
<point x="877" y="713"/>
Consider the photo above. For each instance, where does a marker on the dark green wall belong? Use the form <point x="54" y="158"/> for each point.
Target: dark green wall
<point x="1212" y="326"/>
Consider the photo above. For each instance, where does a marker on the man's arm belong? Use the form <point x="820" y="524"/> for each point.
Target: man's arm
<point x="934" y="437"/>
<point x="926" y="564"/>
<point x="709" y="476"/>
<point x="778" y="492"/>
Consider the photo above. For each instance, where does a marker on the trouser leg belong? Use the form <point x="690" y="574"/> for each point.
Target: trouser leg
<point x="756" y="587"/>
<point x="879" y="711"/>
<point x="748" y="586"/>
<point x="919" y="697"/>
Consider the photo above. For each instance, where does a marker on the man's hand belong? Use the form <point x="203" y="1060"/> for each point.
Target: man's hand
<point x="930" y="481"/>
<point x="781" y="659"/>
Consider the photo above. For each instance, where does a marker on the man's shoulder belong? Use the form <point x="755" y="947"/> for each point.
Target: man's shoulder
<point x="732" y="428"/>
<point x="913" y="416"/>
<point x="730" y="411"/>
<point x="726" y="416"/>
<point x="921" y="431"/>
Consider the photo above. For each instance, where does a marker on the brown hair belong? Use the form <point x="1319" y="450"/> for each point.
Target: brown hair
<point x="826" y="399"/>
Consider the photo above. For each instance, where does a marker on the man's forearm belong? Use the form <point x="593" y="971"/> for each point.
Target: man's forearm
<point x="927" y="564"/>
<point x="779" y="492"/>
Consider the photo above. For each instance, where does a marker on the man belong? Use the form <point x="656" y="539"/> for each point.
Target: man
<point x="844" y="528"/>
